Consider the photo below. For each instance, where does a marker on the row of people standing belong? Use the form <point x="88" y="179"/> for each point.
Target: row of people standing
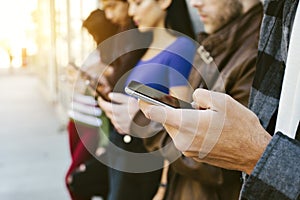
<point x="170" y="60"/>
<point x="85" y="116"/>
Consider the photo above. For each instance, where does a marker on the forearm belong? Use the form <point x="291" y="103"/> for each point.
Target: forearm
<point x="259" y="143"/>
<point x="277" y="173"/>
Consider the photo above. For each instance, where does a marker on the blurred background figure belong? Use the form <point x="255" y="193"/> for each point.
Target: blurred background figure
<point x="165" y="65"/>
<point x="85" y="122"/>
<point x="128" y="48"/>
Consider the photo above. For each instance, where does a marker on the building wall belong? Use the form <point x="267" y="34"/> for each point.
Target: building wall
<point x="60" y="39"/>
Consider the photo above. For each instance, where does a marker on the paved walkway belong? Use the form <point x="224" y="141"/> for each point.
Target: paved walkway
<point x="34" y="153"/>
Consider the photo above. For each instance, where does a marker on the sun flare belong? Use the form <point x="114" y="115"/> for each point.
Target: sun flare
<point x="15" y="26"/>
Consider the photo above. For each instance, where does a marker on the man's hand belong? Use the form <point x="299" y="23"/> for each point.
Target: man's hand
<point x="121" y="112"/>
<point x="220" y="131"/>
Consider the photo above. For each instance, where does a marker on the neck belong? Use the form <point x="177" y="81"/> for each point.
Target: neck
<point x="161" y="36"/>
<point x="248" y="4"/>
<point x="161" y="39"/>
<point x="126" y="23"/>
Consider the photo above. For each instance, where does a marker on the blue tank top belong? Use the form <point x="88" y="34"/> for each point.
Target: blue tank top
<point x="171" y="67"/>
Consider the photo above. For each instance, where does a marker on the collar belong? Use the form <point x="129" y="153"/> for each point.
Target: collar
<point x="232" y="35"/>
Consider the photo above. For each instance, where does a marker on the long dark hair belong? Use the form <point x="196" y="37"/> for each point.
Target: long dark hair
<point x="178" y="18"/>
<point x="98" y="26"/>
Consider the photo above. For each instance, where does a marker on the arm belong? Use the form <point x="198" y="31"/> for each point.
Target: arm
<point x="213" y="134"/>
<point x="275" y="163"/>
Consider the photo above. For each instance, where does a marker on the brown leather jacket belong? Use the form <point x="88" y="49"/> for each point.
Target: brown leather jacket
<point x="225" y="63"/>
<point x="232" y="52"/>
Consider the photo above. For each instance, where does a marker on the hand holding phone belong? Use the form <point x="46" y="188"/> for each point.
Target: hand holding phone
<point x="100" y="86"/>
<point x="154" y="96"/>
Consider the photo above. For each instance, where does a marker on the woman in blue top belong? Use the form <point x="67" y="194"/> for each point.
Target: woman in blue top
<point x="165" y="66"/>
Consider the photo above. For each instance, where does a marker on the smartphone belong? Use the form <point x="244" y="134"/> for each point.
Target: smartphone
<point x="154" y="96"/>
<point x="93" y="82"/>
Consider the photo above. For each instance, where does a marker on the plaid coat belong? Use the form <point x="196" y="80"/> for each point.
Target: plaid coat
<point x="277" y="174"/>
<point x="271" y="61"/>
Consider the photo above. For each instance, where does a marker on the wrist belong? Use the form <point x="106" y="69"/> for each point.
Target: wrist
<point x="259" y="143"/>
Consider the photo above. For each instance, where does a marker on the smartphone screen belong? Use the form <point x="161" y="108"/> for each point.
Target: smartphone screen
<point x="154" y="96"/>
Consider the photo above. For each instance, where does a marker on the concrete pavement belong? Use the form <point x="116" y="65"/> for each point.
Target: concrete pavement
<point x="34" y="153"/>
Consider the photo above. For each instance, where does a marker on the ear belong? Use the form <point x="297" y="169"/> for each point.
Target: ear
<point x="164" y="4"/>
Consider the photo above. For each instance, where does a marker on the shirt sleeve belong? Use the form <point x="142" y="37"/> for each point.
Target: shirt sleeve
<point x="181" y="63"/>
<point x="277" y="174"/>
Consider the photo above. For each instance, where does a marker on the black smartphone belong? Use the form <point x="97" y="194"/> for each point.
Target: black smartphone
<point x="154" y="96"/>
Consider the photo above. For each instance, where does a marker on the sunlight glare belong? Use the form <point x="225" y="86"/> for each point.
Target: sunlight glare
<point x="15" y="24"/>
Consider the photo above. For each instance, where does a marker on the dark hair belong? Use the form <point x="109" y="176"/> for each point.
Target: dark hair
<point x="99" y="26"/>
<point x="178" y="18"/>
